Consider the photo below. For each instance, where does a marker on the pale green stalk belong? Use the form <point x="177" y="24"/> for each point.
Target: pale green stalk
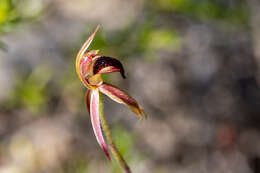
<point x="120" y="160"/>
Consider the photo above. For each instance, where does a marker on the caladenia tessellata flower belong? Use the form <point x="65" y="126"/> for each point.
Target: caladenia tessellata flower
<point x="89" y="66"/>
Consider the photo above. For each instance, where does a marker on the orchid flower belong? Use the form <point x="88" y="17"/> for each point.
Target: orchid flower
<point x="89" y="67"/>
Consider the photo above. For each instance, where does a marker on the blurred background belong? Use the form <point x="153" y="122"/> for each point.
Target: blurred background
<point x="192" y="64"/>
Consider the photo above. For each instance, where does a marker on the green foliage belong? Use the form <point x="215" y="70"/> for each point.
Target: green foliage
<point x="153" y="40"/>
<point x="125" y="144"/>
<point x="123" y="140"/>
<point x="77" y="165"/>
<point x="31" y="91"/>
<point x="206" y="10"/>
<point x="8" y="15"/>
<point x="13" y="13"/>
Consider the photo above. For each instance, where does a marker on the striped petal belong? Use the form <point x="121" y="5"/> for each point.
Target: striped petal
<point x="104" y="64"/>
<point x="82" y="61"/>
<point x="95" y="120"/>
<point x="121" y="97"/>
<point x="85" y="46"/>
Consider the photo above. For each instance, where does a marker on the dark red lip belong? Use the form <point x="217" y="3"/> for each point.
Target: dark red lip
<point x="104" y="61"/>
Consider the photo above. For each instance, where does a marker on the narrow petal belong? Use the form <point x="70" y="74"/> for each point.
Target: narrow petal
<point x="94" y="116"/>
<point x="105" y="64"/>
<point x="121" y="97"/>
<point x="80" y="56"/>
<point x="86" y="45"/>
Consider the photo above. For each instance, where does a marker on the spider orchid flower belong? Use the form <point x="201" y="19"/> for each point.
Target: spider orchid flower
<point x="89" y="67"/>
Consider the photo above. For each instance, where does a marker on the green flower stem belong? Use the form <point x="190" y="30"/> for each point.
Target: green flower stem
<point x="120" y="160"/>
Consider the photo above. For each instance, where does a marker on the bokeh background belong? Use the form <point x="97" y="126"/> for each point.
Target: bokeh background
<point x="192" y="64"/>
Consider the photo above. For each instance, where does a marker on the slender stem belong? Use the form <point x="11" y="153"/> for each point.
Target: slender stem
<point x="120" y="160"/>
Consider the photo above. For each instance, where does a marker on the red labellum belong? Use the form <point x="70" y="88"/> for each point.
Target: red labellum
<point x="105" y="64"/>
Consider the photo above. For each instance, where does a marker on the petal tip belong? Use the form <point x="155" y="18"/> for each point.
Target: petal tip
<point x="142" y="114"/>
<point x="104" y="148"/>
<point x="87" y="43"/>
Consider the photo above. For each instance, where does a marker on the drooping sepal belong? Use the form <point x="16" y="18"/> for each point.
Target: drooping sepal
<point x="120" y="96"/>
<point x="114" y="151"/>
<point x="104" y="64"/>
<point x="95" y="120"/>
